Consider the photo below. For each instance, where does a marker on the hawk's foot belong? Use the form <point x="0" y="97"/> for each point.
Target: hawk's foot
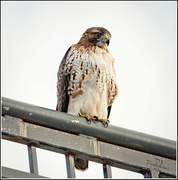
<point x="105" y="122"/>
<point x="89" y="118"/>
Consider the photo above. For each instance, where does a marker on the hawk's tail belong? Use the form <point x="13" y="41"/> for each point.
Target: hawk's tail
<point x="81" y="164"/>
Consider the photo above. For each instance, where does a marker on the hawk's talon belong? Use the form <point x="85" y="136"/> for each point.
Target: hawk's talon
<point x="106" y="124"/>
<point x="88" y="120"/>
<point x="96" y="118"/>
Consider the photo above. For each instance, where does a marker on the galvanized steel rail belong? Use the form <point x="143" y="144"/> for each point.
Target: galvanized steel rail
<point x="112" y="146"/>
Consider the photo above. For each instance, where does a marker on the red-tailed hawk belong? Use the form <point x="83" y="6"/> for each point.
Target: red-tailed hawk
<point x="86" y="83"/>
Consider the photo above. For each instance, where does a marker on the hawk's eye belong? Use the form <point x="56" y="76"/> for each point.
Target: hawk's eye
<point x="97" y="35"/>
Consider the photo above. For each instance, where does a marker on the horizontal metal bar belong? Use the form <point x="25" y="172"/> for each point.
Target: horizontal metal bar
<point x="77" y="125"/>
<point x="12" y="173"/>
<point x="86" y="147"/>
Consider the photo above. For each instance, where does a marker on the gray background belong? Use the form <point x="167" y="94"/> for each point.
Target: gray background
<point x="35" y="37"/>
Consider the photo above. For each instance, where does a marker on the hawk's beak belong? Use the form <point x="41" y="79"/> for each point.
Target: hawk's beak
<point x="107" y="40"/>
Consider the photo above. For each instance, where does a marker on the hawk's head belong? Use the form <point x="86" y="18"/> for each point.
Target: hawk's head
<point x="97" y="36"/>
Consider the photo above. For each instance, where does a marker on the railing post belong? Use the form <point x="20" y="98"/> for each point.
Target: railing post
<point x="151" y="174"/>
<point x="32" y="159"/>
<point x="70" y="166"/>
<point x="107" y="171"/>
<point x="154" y="174"/>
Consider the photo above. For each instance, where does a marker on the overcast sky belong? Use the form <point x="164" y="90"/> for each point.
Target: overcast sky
<point x="35" y="37"/>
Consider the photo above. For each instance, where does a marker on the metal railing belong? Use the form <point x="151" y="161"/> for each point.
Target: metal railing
<point x="154" y="157"/>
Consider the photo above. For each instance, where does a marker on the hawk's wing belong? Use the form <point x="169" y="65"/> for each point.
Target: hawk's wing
<point x="109" y="111"/>
<point x="62" y="86"/>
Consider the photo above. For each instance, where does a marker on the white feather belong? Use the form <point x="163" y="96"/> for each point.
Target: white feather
<point x="95" y="97"/>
